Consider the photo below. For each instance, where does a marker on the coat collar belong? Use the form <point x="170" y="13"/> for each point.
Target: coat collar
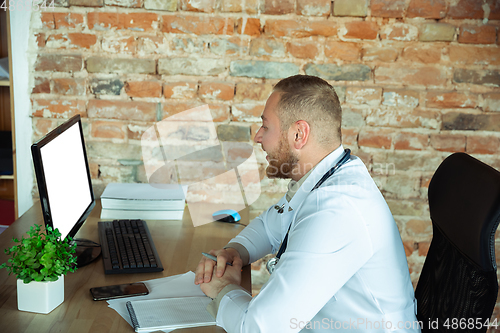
<point x="312" y="179"/>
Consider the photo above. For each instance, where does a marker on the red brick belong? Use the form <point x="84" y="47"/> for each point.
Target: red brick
<point x="474" y="55"/>
<point x="253" y="91"/>
<point x="94" y="170"/>
<point x="487" y="144"/>
<point x="384" y="54"/>
<point x="121" y="45"/>
<point x="252" y="6"/>
<point x="361" y="30"/>
<point x="448" y="142"/>
<point x="68" y="20"/>
<point x="375" y="138"/>
<point x="40" y="39"/>
<point x="350" y="136"/>
<point x="300" y="28"/>
<point x="401" y="98"/>
<point x="216" y="90"/>
<point x="313" y="7"/>
<point x="61" y="20"/>
<point x="267" y="47"/>
<point x="231" y="6"/>
<point x="419" y="227"/>
<point x="69" y="86"/>
<point x="72" y="40"/>
<point x="409" y="247"/>
<point x="59" y="63"/>
<point x="184" y="90"/>
<point x="227" y="46"/>
<point x="303" y="49"/>
<point x="141" y="111"/>
<point x="422" y="53"/>
<point x="433" y="9"/>
<point x="491" y="102"/>
<point x="42" y="86"/>
<point x="47" y="19"/>
<point x="278" y="7"/>
<point x="494" y="11"/>
<point x="363" y="95"/>
<point x="388" y="8"/>
<point x="423" y="248"/>
<point x="135" y="132"/>
<point x="219" y="112"/>
<point x="206" y="6"/>
<point x="199" y="25"/>
<point x="248" y="26"/>
<point x="107" y="129"/>
<point x="247" y="112"/>
<point x="42" y="126"/>
<point x="452" y="99"/>
<point x="466" y="9"/>
<point x="473" y="34"/>
<point x="403" y="117"/>
<point x="132" y="21"/>
<point x="143" y="88"/>
<point x="342" y="50"/>
<point x="152" y="44"/>
<point x="427" y="75"/>
<point x="49" y="108"/>
<point x="411" y="141"/>
<point x="399" y="31"/>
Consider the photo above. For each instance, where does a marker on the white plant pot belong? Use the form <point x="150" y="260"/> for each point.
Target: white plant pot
<point x="40" y="297"/>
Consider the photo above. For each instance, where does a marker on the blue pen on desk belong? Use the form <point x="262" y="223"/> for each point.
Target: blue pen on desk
<point x="214" y="258"/>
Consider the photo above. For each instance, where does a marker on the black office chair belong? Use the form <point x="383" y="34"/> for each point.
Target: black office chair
<point x="458" y="282"/>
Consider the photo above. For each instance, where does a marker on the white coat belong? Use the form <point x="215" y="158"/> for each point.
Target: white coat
<point x="344" y="267"/>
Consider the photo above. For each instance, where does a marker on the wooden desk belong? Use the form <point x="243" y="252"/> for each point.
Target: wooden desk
<point x="178" y="243"/>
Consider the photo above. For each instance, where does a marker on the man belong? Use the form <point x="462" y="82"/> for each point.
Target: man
<point x="344" y="266"/>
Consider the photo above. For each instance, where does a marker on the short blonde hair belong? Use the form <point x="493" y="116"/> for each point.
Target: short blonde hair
<point x="309" y="98"/>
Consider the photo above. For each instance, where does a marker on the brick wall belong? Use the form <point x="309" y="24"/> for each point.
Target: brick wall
<point x="417" y="79"/>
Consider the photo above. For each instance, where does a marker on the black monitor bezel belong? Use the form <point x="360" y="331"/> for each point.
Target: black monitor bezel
<point x="40" y="176"/>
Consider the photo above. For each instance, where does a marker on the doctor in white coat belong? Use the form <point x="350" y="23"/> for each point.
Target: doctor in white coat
<point x="342" y="264"/>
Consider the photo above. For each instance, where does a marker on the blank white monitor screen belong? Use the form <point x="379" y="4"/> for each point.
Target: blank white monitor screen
<point x="66" y="179"/>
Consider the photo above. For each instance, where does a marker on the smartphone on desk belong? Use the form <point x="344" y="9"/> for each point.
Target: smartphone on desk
<point x="119" y="291"/>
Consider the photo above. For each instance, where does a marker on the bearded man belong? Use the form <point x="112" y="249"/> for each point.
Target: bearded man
<point x="340" y="261"/>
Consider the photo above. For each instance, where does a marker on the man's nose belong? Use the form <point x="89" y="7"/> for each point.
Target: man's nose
<point x="258" y="136"/>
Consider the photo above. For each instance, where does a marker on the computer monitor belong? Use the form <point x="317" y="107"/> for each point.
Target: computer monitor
<point x="64" y="184"/>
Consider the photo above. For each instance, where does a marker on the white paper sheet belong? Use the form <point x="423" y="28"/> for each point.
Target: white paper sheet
<point x="181" y="285"/>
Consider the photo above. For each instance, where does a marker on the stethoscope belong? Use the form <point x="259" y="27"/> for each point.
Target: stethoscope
<point x="271" y="264"/>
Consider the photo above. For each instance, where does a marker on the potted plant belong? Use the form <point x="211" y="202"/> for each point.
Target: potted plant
<point x="40" y="262"/>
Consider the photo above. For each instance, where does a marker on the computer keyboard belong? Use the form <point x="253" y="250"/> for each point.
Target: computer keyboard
<point x="127" y="247"/>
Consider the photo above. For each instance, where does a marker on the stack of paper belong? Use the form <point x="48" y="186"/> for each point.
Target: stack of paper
<point x="169" y="290"/>
<point x="142" y="201"/>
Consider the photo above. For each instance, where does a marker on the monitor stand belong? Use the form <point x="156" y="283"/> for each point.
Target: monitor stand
<point x="86" y="251"/>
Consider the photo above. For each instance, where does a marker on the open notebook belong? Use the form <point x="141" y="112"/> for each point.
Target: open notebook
<point x="169" y="313"/>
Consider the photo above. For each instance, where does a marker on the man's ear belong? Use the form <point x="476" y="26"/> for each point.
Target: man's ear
<point x="301" y="131"/>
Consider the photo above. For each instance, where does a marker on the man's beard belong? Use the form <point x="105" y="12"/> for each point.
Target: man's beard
<point x="283" y="162"/>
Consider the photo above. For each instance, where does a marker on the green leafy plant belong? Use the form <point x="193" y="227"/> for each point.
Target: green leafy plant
<point x="41" y="256"/>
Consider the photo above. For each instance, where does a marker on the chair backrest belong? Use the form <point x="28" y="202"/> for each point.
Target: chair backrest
<point x="459" y="279"/>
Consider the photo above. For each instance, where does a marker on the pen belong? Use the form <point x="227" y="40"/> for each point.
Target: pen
<point x="209" y="256"/>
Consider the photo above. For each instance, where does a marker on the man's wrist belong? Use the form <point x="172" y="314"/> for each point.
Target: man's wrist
<point x="241" y="250"/>
<point x="213" y="307"/>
